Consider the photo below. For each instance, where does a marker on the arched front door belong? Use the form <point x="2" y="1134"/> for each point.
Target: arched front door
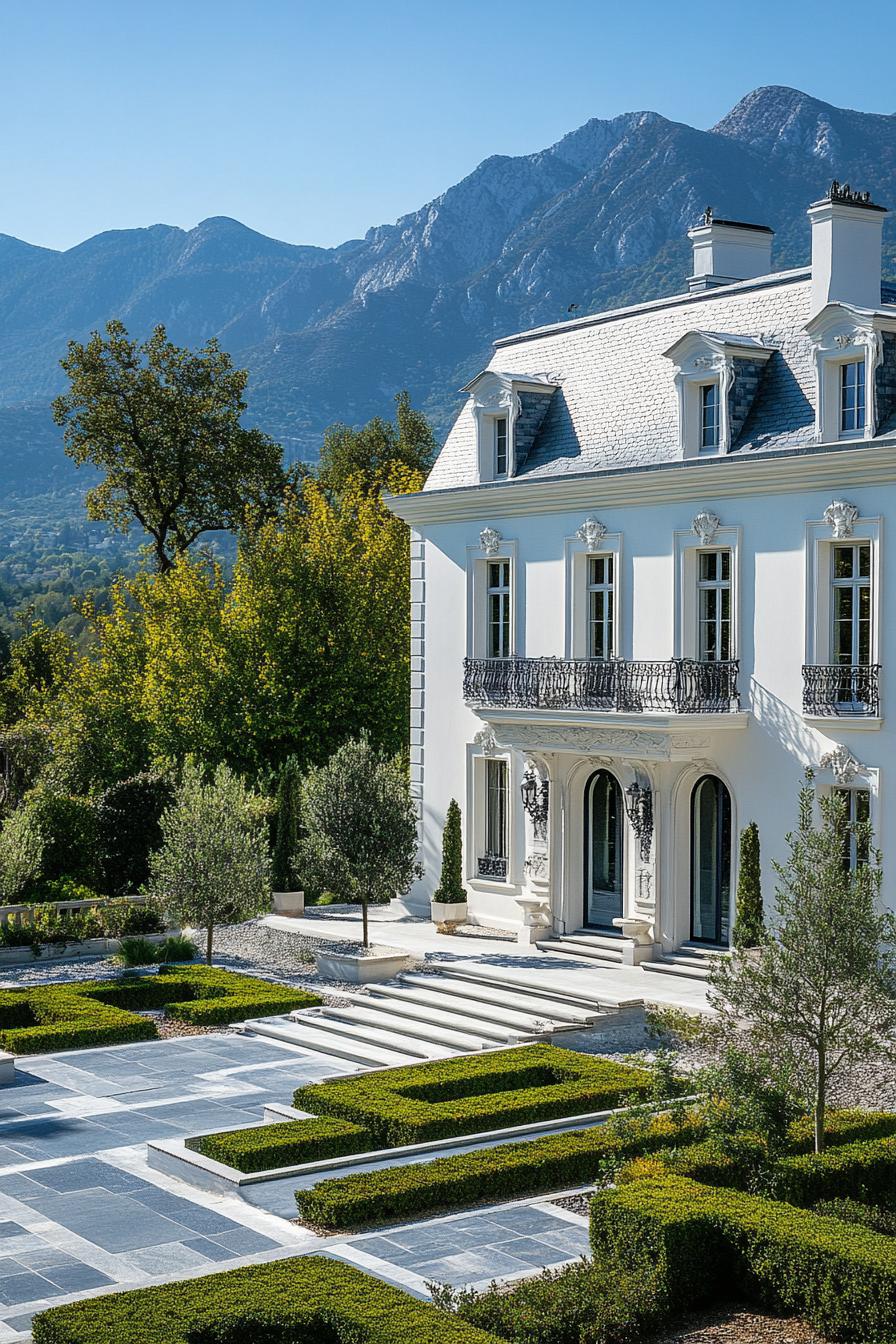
<point x="710" y="861"/>
<point x="604" y="814"/>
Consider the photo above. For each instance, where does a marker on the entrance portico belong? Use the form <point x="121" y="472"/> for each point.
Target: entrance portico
<point x="640" y="825"/>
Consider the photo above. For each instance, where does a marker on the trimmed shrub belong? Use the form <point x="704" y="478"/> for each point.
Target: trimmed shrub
<point x="509" y="1171"/>
<point x="286" y="828"/>
<point x="852" y="1211"/>
<point x="124" y="919"/>
<point x="749" y="924"/>
<point x="476" y="1092"/>
<point x="288" y="1301"/>
<point x="531" y="1167"/>
<point x="128" y="830"/>
<point x="861" y="1171"/>
<point x="104" y="1012"/>
<point x="451" y="881"/>
<point x="285" y="1145"/>
<point x="707" y="1243"/>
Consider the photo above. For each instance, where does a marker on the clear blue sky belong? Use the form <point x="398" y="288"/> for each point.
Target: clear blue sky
<point x="311" y="121"/>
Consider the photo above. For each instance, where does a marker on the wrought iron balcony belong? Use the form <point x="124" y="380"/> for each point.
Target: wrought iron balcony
<point x="492" y="865"/>
<point x="677" y="686"/>
<point x="847" y="690"/>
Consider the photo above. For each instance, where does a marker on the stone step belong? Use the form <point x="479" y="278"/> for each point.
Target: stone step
<point x="672" y="966"/>
<point x="521" y="1015"/>
<point x="416" y="1023"/>
<point x="581" y="950"/>
<point x="406" y="1005"/>
<point x="535" y="982"/>
<point x="378" y="1029"/>
<point x="597" y="942"/>
<point x="511" y="1024"/>
<point x="522" y="997"/>
<point x="327" y="1043"/>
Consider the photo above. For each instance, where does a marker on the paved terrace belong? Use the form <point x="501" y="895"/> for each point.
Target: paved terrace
<point x="81" y="1213"/>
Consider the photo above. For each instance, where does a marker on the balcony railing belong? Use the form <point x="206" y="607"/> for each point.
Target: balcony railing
<point x="842" y="689"/>
<point x="678" y="686"/>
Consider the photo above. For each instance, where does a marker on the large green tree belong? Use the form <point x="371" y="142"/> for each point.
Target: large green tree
<point x="163" y="426"/>
<point x="368" y="455"/>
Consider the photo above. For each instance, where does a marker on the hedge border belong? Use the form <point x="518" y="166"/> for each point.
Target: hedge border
<point x="706" y="1241"/>
<point x="536" y="1166"/>
<point x="308" y="1297"/>
<point x="47" y="1018"/>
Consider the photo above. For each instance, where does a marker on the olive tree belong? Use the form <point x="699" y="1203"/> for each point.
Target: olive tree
<point x="360" y="826"/>
<point x="818" y="994"/>
<point x="214" y="864"/>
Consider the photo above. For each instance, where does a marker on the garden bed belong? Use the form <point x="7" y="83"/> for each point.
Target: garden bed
<point x="391" y="1108"/>
<point x="107" y="1012"/>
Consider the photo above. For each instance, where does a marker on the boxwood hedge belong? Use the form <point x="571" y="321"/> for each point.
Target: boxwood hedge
<point x="104" y="1012"/>
<point x="537" y="1166"/>
<point x="475" y="1092"/>
<point x="509" y="1171"/>
<point x="287" y="1302"/>
<point x="708" y="1242"/>
<point x="264" y="1147"/>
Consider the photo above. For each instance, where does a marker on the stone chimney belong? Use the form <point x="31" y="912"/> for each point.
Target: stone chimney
<point x="846" y="248"/>
<point x="726" y="250"/>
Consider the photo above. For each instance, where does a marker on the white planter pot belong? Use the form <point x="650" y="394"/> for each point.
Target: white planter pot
<point x="353" y="969"/>
<point x="290" y="903"/>
<point x="448" y="915"/>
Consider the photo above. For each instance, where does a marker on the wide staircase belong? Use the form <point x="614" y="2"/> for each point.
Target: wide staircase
<point x="432" y="1015"/>
<point x="691" y="960"/>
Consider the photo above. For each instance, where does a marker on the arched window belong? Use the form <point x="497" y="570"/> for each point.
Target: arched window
<point x="604" y="813"/>
<point x="710" y="861"/>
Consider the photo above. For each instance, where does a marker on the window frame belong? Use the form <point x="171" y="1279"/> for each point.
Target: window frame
<point x="500" y="472"/>
<point x="604" y="589"/>
<point x="499" y="608"/>
<point x="478" y="561"/>
<point x="819" y="647"/>
<point x="707" y="447"/>
<point x="859" y="408"/>
<point x="717" y="587"/>
<point x="853" y="859"/>
<point x="688" y="547"/>
<point x="577" y="555"/>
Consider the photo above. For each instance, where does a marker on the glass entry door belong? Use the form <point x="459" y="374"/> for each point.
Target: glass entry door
<point x="710" y="861"/>
<point x="604" y="837"/>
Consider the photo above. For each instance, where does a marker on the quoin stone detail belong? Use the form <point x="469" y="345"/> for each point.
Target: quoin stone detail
<point x="591" y="533"/>
<point x="842" y="763"/>
<point x="490" y="540"/>
<point x="841" y="517"/>
<point x="705" y="526"/>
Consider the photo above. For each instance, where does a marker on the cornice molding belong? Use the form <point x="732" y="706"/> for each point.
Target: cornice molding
<point x="817" y="468"/>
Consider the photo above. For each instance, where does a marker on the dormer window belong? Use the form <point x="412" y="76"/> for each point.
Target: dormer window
<point x="855" y="371"/>
<point x="500" y="424"/>
<point x="508" y="410"/>
<point x="852" y="397"/>
<point x="717" y="377"/>
<point x="709" y="418"/>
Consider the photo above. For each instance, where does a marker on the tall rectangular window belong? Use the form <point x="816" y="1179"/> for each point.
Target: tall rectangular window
<point x="709" y="418"/>
<point x="501" y="446"/>
<point x="601" y="606"/>
<point x="858" y="812"/>
<point x="852" y="397"/>
<point x="714" y="606"/>
<point x="498" y="606"/>
<point x="851" y="604"/>
<point x="494" y="862"/>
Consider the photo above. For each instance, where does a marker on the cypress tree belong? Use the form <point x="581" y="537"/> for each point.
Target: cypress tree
<point x="749" y="926"/>
<point x="286" y="835"/>
<point x="451" y="886"/>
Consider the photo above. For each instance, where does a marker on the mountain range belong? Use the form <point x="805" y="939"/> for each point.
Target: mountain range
<point x="598" y="219"/>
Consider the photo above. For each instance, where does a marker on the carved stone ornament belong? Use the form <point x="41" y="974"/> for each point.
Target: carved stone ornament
<point x="486" y="740"/>
<point x="844" y="339"/>
<point x="841" y="517"/>
<point x="841" y="762"/>
<point x="591" y="533"/>
<point x="704" y="362"/>
<point x="705" y="526"/>
<point x="490" y="540"/>
<point x="537" y="865"/>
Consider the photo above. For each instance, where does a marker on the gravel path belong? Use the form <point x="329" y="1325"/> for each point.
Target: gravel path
<point x="729" y="1326"/>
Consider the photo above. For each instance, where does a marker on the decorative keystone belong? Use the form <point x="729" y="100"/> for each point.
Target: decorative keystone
<point x="705" y="526"/>
<point x="841" y="517"/>
<point x="490" y="540"/>
<point x="591" y="533"/>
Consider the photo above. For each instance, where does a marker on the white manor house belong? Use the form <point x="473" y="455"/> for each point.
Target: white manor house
<point x="648" y="578"/>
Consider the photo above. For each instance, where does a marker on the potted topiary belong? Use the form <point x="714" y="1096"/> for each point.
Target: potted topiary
<point x="449" y="902"/>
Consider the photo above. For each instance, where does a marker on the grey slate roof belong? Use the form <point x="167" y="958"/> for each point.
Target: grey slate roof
<point x="616" y="404"/>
